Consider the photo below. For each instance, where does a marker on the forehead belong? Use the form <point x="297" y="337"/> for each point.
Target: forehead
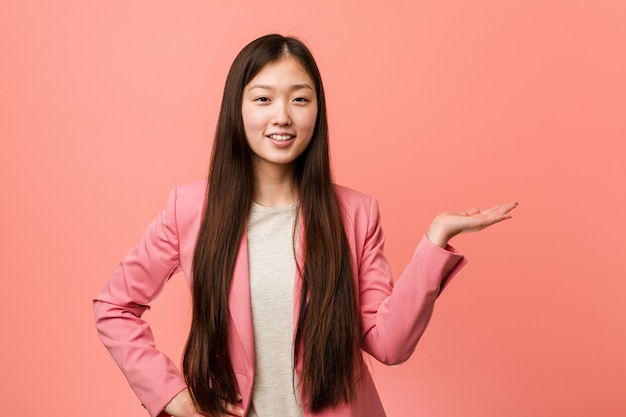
<point x="286" y="71"/>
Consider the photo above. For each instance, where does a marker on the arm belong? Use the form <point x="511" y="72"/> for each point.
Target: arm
<point x="395" y="317"/>
<point x="134" y="285"/>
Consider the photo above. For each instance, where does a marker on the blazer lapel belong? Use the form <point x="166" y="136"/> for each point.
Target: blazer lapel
<point x="239" y="302"/>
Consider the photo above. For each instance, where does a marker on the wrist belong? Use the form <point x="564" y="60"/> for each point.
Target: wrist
<point x="437" y="235"/>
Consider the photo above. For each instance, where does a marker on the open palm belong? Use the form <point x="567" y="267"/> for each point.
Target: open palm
<point x="449" y="224"/>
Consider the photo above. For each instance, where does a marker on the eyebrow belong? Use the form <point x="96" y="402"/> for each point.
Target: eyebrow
<point x="292" y="88"/>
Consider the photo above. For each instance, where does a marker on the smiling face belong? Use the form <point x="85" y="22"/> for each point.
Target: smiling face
<point x="279" y="111"/>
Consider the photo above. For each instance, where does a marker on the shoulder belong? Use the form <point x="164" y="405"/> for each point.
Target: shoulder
<point x="349" y="197"/>
<point x="358" y="208"/>
<point x="191" y="189"/>
<point x="186" y="201"/>
<point x="190" y="193"/>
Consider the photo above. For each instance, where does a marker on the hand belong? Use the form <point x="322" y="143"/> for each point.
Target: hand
<point x="182" y="406"/>
<point x="447" y="225"/>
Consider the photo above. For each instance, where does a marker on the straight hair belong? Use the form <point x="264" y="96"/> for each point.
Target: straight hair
<point x="327" y="336"/>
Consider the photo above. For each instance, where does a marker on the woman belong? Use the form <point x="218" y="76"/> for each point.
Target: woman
<point x="261" y="342"/>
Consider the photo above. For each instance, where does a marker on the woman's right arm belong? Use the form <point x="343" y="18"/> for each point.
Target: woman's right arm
<point x="119" y="307"/>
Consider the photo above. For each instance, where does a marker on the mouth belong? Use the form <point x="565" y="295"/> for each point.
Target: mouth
<point x="281" y="138"/>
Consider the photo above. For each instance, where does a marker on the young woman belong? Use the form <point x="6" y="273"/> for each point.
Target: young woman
<point x="288" y="277"/>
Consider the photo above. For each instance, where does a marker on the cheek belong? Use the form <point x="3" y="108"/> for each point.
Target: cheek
<point x="252" y="121"/>
<point x="307" y="120"/>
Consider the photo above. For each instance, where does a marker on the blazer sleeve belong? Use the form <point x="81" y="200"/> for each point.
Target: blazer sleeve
<point x="134" y="285"/>
<point x="394" y="317"/>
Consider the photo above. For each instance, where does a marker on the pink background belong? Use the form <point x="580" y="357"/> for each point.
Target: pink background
<point x="434" y="105"/>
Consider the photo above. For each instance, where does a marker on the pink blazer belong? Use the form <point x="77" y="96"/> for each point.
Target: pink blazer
<point x="393" y="317"/>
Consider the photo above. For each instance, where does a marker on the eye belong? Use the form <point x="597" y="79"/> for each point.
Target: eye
<point x="262" y="99"/>
<point x="301" y="100"/>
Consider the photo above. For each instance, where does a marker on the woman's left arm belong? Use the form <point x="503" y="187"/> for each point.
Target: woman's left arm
<point x="395" y="316"/>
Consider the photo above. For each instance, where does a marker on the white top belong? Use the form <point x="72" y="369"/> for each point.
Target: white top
<point x="272" y="269"/>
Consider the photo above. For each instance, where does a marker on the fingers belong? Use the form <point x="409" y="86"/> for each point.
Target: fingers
<point x="501" y="210"/>
<point x="182" y="406"/>
<point x="480" y="219"/>
<point x="472" y="211"/>
<point x="449" y="224"/>
<point x="506" y="207"/>
<point x="234" y="410"/>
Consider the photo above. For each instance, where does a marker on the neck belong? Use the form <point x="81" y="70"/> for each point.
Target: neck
<point x="273" y="188"/>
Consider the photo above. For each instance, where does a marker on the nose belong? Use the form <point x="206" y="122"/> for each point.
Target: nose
<point x="282" y="116"/>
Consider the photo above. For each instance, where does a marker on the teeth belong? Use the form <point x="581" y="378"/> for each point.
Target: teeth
<point x="281" y="137"/>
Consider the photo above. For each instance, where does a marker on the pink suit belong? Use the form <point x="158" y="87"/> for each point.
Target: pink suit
<point x="392" y="321"/>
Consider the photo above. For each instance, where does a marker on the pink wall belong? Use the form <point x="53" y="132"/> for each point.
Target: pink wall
<point x="105" y="105"/>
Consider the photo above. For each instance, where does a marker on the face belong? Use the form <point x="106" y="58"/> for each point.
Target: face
<point x="279" y="110"/>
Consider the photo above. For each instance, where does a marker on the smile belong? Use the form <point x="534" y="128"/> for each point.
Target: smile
<point x="280" y="137"/>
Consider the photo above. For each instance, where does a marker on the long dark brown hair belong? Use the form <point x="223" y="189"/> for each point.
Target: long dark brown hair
<point x="327" y="337"/>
